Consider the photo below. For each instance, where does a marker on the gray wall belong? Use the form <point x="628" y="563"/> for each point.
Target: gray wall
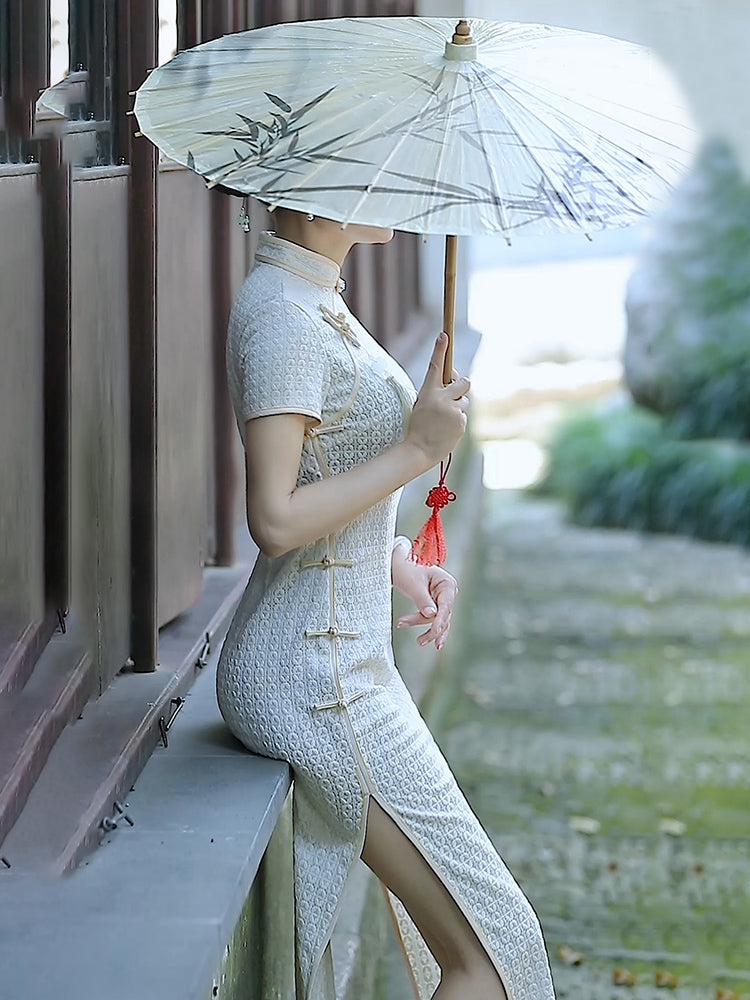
<point x="21" y="427"/>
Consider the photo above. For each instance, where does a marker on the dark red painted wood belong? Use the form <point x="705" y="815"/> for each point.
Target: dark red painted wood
<point x="54" y="177"/>
<point x="218" y="21"/>
<point x="188" y="24"/>
<point x="143" y="403"/>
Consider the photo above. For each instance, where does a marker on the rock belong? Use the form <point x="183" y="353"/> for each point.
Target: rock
<point x="689" y="298"/>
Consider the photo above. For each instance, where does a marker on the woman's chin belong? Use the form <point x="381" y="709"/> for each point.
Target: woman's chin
<point x="381" y="234"/>
<point x="372" y="234"/>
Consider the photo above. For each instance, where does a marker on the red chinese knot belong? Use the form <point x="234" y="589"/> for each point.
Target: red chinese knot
<point x="428" y="548"/>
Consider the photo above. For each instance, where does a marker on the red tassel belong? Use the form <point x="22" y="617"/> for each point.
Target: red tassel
<point x="428" y="548"/>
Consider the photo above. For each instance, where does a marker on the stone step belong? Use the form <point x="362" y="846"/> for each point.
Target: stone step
<point x="20" y="647"/>
<point x="32" y="719"/>
<point x="97" y="758"/>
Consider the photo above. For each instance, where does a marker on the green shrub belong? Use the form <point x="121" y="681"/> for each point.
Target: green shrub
<point x="624" y="468"/>
<point x="714" y="400"/>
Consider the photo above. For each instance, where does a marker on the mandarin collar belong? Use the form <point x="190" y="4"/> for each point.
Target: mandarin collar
<point x="272" y="249"/>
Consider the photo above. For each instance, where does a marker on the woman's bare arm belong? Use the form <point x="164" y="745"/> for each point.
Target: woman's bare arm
<point x="282" y="516"/>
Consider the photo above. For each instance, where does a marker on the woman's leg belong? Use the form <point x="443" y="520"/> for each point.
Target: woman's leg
<point x="467" y="971"/>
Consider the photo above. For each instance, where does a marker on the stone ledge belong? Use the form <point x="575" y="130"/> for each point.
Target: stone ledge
<point x="149" y="914"/>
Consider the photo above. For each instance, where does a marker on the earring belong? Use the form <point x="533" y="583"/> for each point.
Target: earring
<point x="310" y="216"/>
<point x="243" y="219"/>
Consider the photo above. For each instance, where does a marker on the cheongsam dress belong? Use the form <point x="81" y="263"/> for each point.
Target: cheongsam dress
<point x="306" y="673"/>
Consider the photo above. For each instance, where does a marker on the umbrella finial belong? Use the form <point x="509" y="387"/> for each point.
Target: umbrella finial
<point x="462" y="45"/>
<point x="462" y="34"/>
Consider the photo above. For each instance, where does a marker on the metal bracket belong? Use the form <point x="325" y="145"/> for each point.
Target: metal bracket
<point x="109" y="823"/>
<point x="175" y="704"/>
<point x="205" y="652"/>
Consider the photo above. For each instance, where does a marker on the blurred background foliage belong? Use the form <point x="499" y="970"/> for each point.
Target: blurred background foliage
<point x="672" y="456"/>
<point x="622" y="467"/>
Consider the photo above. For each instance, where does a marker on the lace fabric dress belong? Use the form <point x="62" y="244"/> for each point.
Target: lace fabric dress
<point x="306" y="672"/>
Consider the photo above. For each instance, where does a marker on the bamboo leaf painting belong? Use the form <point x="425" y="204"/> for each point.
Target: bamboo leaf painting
<point x="310" y="105"/>
<point x="468" y="137"/>
<point x="278" y="102"/>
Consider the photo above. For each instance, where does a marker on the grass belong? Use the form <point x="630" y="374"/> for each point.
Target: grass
<point x="626" y="729"/>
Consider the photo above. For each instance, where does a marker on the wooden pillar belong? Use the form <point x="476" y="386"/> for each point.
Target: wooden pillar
<point x="225" y="473"/>
<point x="121" y="100"/>
<point x="24" y="40"/>
<point x="54" y="180"/>
<point x="99" y="56"/>
<point x="218" y="17"/>
<point x="143" y="402"/>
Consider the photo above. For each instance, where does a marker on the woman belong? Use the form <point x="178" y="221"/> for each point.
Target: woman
<point x="332" y="429"/>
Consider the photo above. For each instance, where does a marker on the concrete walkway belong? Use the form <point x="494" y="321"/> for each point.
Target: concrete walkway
<point x="593" y="702"/>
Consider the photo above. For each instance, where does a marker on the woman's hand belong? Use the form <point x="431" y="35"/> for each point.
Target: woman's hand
<point x="433" y="591"/>
<point x="438" y="418"/>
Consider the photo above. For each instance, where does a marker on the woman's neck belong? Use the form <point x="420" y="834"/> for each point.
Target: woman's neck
<point x="323" y="236"/>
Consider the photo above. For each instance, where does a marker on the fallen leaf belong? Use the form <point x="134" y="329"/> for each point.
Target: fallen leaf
<point x="569" y="956"/>
<point x="664" y="978"/>
<point x="584" y="824"/>
<point x="623" y="977"/>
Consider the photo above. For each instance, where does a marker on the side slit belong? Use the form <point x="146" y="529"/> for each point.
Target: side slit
<point x="481" y="937"/>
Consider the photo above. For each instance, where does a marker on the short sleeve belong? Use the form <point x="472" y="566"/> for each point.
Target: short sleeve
<point x="276" y="362"/>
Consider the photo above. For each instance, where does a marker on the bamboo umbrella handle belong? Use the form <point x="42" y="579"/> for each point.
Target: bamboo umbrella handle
<point x="449" y="303"/>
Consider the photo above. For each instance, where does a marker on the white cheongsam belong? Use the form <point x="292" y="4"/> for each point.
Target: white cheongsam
<point x="306" y="673"/>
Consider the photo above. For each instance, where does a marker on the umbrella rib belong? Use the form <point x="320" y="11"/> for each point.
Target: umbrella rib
<point x="609" y="118"/>
<point x="542" y="169"/>
<point x="641" y="131"/>
<point x="490" y="166"/>
<point x="382" y="167"/>
<point x="442" y="145"/>
<point x="354" y="142"/>
<point x="577" y="150"/>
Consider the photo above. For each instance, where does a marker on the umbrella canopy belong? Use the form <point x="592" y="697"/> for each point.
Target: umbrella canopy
<point x="387" y="121"/>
